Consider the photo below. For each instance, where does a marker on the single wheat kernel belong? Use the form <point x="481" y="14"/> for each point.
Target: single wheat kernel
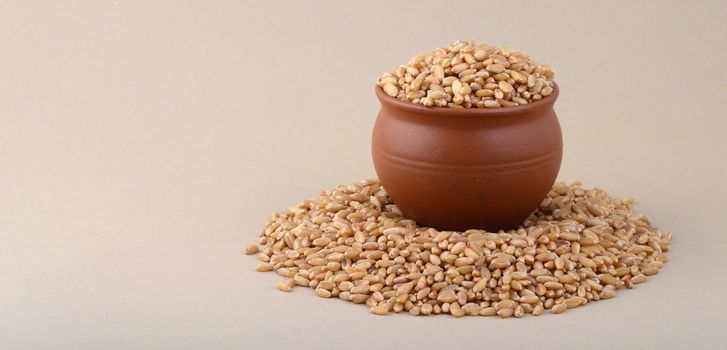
<point x="638" y="279"/>
<point x="538" y="310"/>
<point x="559" y="308"/>
<point x="264" y="267"/>
<point x="529" y="299"/>
<point x="488" y="311"/>
<point x="285" y="286"/>
<point x="519" y="312"/>
<point x="391" y="90"/>
<point x="492" y="104"/>
<point x="381" y="309"/>
<point x="505" y="313"/>
<point x="323" y="293"/>
<point x="251" y="249"/>
<point x="607" y="292"/>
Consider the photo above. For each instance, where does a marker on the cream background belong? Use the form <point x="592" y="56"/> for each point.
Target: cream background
<point x="144" y="143"/>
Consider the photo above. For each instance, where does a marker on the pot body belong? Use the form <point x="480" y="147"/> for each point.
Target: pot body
<point x="461" y="169"/>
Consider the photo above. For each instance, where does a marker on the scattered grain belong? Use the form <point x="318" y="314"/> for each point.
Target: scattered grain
<point x="285" y="286"/>
<point x="353" y="243"/>
<point x="264" y="267"/>
<point x="251" y="249"/>
<point x="559" y="308"/>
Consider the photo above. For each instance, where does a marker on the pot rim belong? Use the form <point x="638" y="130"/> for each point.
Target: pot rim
<point x="546" y="102"/>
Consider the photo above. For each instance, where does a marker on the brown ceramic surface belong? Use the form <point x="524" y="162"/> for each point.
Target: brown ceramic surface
<point x="467" y="168"/>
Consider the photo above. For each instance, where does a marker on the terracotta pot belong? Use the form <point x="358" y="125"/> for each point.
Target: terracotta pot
<point x="457" y="169"/>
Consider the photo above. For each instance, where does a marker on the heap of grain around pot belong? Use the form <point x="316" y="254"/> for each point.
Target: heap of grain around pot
<point x="352" y="243"/>
<point x="467" y="75"/>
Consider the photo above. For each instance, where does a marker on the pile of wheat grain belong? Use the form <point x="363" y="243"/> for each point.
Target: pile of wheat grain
<point x="467" y="75"/>
<point x="353" y="243"/>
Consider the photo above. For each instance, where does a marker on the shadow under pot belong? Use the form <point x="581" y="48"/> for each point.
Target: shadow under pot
<point x="474" y="168"/>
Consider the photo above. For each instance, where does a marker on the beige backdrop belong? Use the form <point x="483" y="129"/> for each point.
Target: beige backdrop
<point x="143" y="144"/>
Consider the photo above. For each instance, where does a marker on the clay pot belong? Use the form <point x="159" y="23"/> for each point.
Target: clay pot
<point x="458" y="169"/>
